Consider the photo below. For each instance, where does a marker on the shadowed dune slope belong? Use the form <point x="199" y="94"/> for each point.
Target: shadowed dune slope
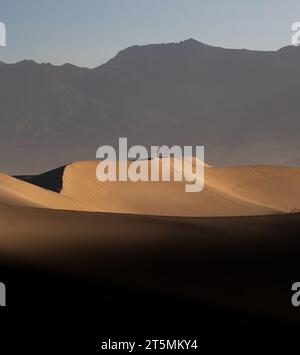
<point x="51" y="180"/>
<point x="235" y="191"/>
<point x="250" y="260"/>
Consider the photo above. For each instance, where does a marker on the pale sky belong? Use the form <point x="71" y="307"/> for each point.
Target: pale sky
<point x="89" y="32"/>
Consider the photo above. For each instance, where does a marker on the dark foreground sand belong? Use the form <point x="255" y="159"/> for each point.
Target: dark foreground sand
<point x="243" y="266"/>
<point x="84" y="274"/>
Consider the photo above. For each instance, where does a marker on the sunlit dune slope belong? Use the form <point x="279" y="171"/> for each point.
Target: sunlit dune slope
<point x="237" y="191"/>
<point x="19" y="193"/>
<point x="276" y="187"/>
<point x="162" y="198"/>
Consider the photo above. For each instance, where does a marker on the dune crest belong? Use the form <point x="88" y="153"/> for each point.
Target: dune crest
<point x="233" y="191"/>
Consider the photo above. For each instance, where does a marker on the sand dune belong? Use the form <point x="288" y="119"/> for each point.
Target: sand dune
<point x="246" y="259"/>
<point x="19" y="193"/>
<point x="192" y="258"/>
<point x="276" y="187"/>
<point x="234" y="191"/>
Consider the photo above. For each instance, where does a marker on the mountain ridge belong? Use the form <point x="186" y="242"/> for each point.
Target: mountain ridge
<point x="185" y="41"/>
<point x="241" y="104"/>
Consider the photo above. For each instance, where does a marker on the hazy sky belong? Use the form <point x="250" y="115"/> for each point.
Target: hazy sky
<point x="89" y="32"/>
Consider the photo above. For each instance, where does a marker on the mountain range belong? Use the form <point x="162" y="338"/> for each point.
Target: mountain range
<point x="242" y="105"/>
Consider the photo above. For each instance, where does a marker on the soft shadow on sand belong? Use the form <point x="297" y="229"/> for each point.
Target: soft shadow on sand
<point x="70" y="251"/>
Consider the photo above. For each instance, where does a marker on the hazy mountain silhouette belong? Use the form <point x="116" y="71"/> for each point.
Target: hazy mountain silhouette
<point x="242" y="105"/>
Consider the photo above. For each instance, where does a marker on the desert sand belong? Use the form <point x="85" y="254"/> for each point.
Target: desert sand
<point x="236" y="191"/>
<point x="237" y="237"/>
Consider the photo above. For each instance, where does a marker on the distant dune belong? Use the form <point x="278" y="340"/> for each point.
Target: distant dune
<point x="236" y="191"/>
